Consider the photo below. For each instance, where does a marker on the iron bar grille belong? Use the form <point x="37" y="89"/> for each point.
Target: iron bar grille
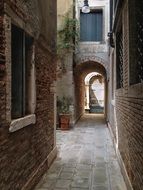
<point x="119" y="58"/>
<point x="139" y="52"/>
<point x="115" y="4"/>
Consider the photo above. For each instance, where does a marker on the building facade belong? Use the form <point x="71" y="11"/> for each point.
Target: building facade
<point x="89" y="48"/>
<point x="91" y="54"/>
<point x="126" y="87"/>
<point x="27" y="95"/>
<point x="65" y="79"/>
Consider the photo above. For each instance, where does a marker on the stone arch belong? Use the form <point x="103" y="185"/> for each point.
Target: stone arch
<point x="92" y="59"/>
<point x="89" y="77"/>
<point x="87" y="67"/>
<point x="81" y="70"/>
<point x="95" y="77"/>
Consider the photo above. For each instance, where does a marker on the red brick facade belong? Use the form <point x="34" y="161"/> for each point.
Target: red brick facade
<point x="128" y="101"/>
<point x="24" y="154"/>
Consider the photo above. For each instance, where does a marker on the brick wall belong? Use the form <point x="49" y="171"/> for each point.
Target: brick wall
<point x="24" y="153"/>
<point x="2" y="64"/>
<point x="129" y="121"/>
<point x="129" y="110"/>
<point x="79" y="94"/>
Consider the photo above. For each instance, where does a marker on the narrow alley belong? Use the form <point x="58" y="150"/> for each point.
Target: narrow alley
<point x="86" y="159"/>
<point x="71" y="95"/>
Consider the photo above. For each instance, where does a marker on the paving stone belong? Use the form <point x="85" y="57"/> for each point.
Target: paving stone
<point x="83" y="174"/>
<point x="101" y="165"/>
<point x="86" y="160"/>
<point x="79" y="189"/>
<point x="100" y="177"/>
<point x="70" y="170"/>
<point x="49" y="184"/>
<point x="80" y="182"/>
<point x="59" y="189"/>
<point x="100" y="187"/>
<point x="70" y="165"/>
<point x="62" y="183"/>
<point x="66" y="175"/>
<point x="84" y="166"/>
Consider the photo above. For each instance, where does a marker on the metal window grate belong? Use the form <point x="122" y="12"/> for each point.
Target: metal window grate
<point x="119" y="59"/>
<point x="115" y="4"/>
<point x="140" y="45"/>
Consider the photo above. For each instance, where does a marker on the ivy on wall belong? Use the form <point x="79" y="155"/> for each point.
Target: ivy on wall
<point x="68" y="36"/>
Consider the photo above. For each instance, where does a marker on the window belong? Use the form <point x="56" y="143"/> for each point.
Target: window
<point x="115" y="4"/>
<point x="91" y="26"/>
<point x="119" y="58"/>
<point x="111" y="14"/>
<point x="21" y="44"/>
<point x="136" y="35"/>
<point x="112" y="75"/>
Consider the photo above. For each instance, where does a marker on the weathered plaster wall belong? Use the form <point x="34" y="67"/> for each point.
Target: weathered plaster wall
<point x="63" y="6"/>
<point x="65" y="83"/>
<point x="98" y="49"/>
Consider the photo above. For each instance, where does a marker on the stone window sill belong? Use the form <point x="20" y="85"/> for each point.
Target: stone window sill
<point x="136" y="90"/>
<point x="92" y="43"/>
<point x="113" y="102"/>
<point x="22" y="122"/>
<point x="119" y="92"/>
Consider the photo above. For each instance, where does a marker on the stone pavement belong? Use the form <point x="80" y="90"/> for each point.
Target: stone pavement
<point x="86" y="159"/>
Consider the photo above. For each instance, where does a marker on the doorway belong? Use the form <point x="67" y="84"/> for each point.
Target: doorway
<point x="94" y="93"/>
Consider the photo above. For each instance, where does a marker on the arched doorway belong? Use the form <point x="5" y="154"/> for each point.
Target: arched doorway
<point x="94" y="93"/>
<point x="81" y="71"/>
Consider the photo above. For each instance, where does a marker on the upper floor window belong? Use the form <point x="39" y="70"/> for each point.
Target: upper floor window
<point x="136" y="50"/>
<point x="21" y="58"/>
<point x="119" y="58"/>
<point x="115" y="4"/>
<point x="91" y="26"/>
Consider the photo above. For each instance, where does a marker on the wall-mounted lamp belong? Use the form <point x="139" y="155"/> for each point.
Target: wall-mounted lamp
<point x="85" y="8"/>
<point x="111" y="39"/>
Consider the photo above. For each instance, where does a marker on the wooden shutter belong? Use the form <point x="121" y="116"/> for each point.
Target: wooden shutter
<point x="91" y="26"/>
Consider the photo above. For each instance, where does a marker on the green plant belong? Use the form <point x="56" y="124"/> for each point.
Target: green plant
<point x="68" y="37"/>
<point x="63" y="105"/>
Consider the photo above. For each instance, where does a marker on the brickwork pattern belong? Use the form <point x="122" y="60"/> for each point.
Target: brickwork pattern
<point x="129" y="112"/>
<point x="2" y="65"/>
<point x="130" y="124"/>
<point x="1" y="7"/>
<point x="25" y="151"/>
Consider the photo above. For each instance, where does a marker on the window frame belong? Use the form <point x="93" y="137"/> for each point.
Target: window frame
<point x="135" y="90"/>
<point x="133" y="42"/>
<point x="30" y="118"/>
<point x="25" y="43"/>
<point x="120" y="77"/>
<point x="94" y="8"/>
<point x="95" y="36"/>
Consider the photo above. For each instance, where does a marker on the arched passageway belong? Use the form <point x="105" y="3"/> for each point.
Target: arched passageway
<point x="81" y="71"/>
<point x="94" y="93"/>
